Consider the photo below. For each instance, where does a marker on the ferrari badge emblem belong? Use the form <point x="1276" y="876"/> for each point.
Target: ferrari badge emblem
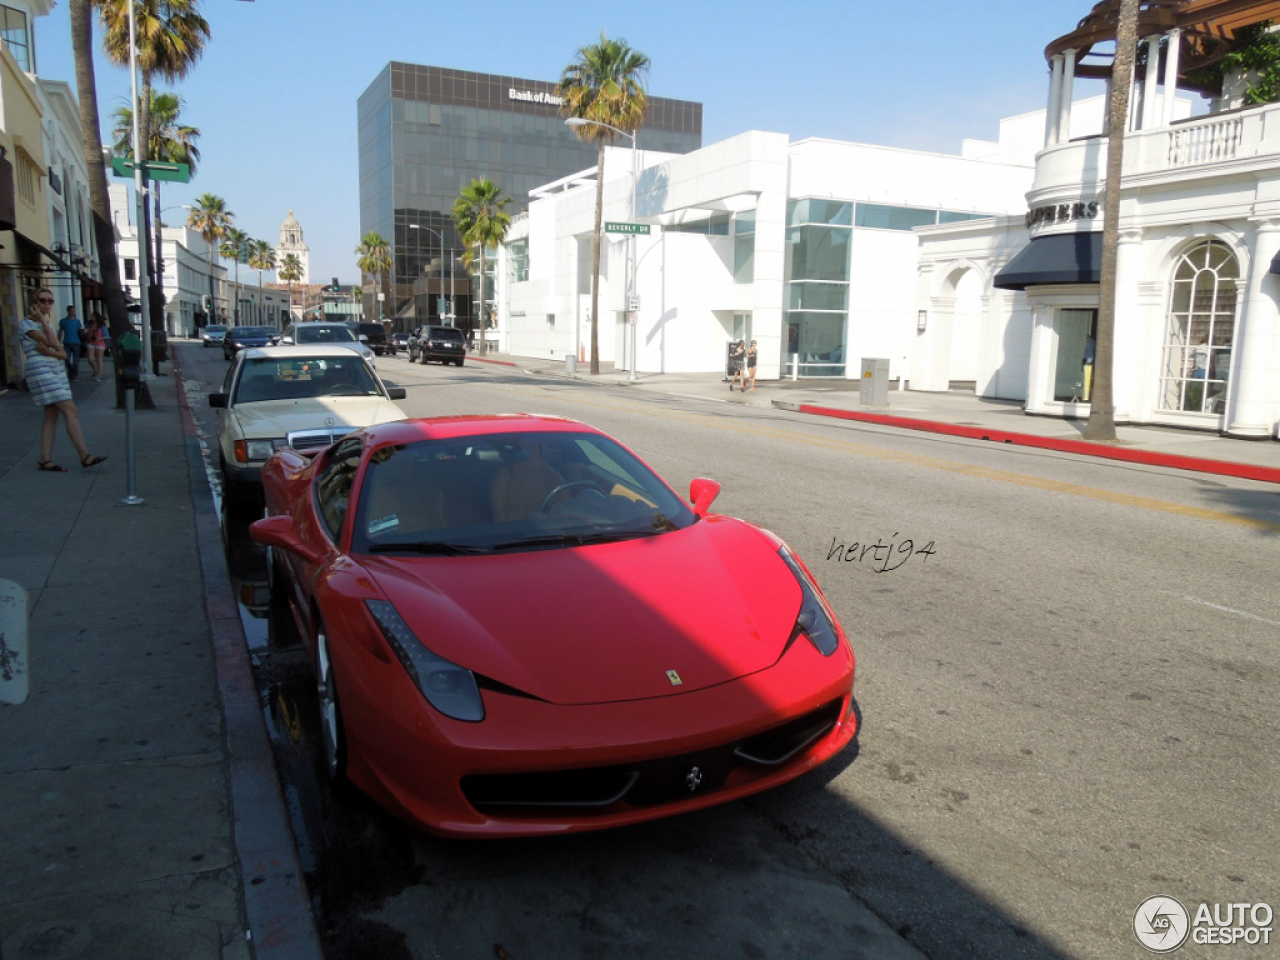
<point x="693" y="778"/>
<point x="674" y="678"/>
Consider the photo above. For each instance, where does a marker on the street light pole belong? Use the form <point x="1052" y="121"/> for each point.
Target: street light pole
<point x="140" y="195"/>
<point x="631" y="240"/>
<point x="440" y="237"/>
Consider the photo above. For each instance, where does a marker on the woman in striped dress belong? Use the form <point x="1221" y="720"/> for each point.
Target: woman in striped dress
<point x="47" y="380"/>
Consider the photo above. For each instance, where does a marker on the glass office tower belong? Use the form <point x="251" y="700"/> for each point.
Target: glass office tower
<point x="426" y="132"/>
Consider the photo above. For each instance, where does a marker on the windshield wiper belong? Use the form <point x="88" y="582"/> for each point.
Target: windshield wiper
<point x="437" y="547"/>
<point x="574" y="539"/>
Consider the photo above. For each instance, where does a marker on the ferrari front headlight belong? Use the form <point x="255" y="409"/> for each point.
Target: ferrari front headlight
<point x="449" y="688"/>
<point x="814" y="620"/>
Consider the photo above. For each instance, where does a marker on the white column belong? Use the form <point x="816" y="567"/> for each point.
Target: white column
<point x="1040" y="361"/>
<point x="1150" y="82"/>
<point x="1068" y="80"/>
<point x="1127" y="336"/>
<point x="1055" y="95"/>
<point x="1172" y="51"/>
<point x="1257" y="343"/>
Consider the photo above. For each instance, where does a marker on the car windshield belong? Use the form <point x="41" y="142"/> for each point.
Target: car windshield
<point x="214" y="328"/>
<point x="444" y="333"/>
<point x="302" y="377"/>
<point x="323" y="333"/>
<point x="510" y="492"/>
<point x="254" y="332"/>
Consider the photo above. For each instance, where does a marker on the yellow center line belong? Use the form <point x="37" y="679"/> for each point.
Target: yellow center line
<point x="933" y="463"/>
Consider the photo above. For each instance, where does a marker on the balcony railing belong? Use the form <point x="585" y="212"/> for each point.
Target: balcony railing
<point x="1209" y="141"/>
<point x="1246" y="137"/>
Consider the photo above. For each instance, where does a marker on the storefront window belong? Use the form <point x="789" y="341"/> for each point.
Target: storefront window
<point x="1201" y="330"/>
<point x="817" y="286"/>
<point x="1073" y="370"/>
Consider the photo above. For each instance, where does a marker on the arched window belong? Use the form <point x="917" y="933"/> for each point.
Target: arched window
<point x="1202" y="318"/>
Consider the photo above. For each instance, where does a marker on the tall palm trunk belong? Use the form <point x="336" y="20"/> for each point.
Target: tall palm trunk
<point x="1102" y="410"/>
<point x="81" y="18"/>
<point x="595" y="260"/>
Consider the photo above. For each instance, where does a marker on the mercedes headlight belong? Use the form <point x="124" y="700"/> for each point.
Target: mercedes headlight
<point x="248" y="451"/>
<point x="814" y="620"/>
<point x="449" y="688"/>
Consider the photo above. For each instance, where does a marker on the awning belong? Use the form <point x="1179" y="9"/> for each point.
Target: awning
<point x="1058" y="258"/>
<point x="1275" y="263"/>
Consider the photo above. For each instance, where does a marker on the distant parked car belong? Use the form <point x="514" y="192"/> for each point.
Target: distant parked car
<point x="339" y="334"/>
<point x="400" y="340"/>
<point x="444" y="344"/>
<point x="303" y="397"/>
<point x="211" y="334"/>
<point x="239" y="338"/>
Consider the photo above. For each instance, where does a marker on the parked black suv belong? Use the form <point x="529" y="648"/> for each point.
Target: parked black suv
<point x="375" y="336"/>
<point x="445" y="344"/>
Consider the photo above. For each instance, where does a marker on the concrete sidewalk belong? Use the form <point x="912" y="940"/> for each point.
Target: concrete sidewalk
<point x="142" y="815"/>
<point x="955" y="413"/>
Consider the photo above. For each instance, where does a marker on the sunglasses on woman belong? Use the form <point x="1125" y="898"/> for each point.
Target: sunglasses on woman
<point x="45" y="300"/>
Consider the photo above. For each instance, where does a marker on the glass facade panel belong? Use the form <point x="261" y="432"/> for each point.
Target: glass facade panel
<point x="807" y="295"/>
<point x="1201" y="330"/>
<point x="13" y="30"/>
<point x="744" y="247"/>
<point x="813" y="210"/>
<point x="955" y="216"/>
<point x="818" y="253"/>
<point x="818" y="340"/>
<point x="884" y="217"/>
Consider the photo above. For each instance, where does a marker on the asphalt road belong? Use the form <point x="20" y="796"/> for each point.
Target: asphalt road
<point x="1067" y="688"/>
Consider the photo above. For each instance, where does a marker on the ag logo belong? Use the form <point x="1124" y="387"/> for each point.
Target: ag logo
<point x="1161" y="923"/>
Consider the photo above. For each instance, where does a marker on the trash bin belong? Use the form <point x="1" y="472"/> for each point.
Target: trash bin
<point x="570" y="363"/>
<point x="873" y="391"/>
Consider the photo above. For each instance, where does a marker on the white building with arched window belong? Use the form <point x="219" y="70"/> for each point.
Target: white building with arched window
<point x="1197" y="309"/>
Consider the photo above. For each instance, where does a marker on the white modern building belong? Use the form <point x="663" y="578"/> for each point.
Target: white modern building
<point x="1197" y="310"/>
<point x="806" y="247"/>
<point x="186" y="266"/>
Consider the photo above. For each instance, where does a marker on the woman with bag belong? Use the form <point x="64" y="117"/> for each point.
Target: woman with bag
<point x="47" y="380"/>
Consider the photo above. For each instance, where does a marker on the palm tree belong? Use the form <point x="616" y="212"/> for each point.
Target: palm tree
<point x="290" y="272"/>
<point x="167" y="140"/>
<point x="169" y="38"/>
<point x="375" y="258"/>
<point x="604" y="85"/>
<point x="262" y="256"/>
<point x="234" y="246"/>
<point x="481" y="218"/>
<point x="1102" y="411"/>
<point x="210" y="218"/>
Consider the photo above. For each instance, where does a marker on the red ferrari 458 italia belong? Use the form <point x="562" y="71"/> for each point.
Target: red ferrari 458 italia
<point x="518" y="628"/>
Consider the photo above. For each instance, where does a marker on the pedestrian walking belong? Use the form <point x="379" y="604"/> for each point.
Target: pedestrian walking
<point x="69" y="330"/>
<point x="751" y="367"/>
<point x="96" y="343"/>
<point x="737" y="371"/>
<point x="47" y="380"/>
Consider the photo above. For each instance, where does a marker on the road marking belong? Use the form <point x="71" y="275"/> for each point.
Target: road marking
<point x="1218" y="606"/>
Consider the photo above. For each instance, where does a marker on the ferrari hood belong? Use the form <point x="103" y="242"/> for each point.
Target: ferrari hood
<point x="279" y="418"/>
<point x="652" y="617"/>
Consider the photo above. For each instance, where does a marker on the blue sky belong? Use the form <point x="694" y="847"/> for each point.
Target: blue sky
<point x="275" y="94"/>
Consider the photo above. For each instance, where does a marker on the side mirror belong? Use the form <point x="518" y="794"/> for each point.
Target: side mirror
<point x="288" y="340"/>
<point x="218" y="400"/>
<point x="397" y="393"/>
<point x="702" y="493"/>
<point x="279" y="532"/>
<point x="363" y="338"/>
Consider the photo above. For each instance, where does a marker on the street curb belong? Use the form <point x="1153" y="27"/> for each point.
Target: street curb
<point x="276" y="903"/>
<point x="1083" y="447"/>
<point x="502" y="363"/>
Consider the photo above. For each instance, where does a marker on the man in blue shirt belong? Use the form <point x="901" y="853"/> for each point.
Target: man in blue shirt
<point x="69" y="329"/>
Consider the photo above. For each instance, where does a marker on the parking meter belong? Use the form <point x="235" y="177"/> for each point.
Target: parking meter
<point x="129" y="362"/>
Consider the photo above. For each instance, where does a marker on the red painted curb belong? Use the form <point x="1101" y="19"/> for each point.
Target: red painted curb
<point x="505" y="363"/>
<point x="1174" y="461"/>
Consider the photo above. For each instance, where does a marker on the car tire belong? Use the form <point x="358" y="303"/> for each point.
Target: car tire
<point x="333" y="741"/>
<point x="459" y="361"/>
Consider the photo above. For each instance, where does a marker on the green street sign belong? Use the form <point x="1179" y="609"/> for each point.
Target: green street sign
<point x="618" y="226"/>
<point x="156" y="170"/>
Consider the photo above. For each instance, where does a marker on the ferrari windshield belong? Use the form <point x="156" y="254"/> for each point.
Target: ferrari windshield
<point x="298" y="377"/>
<point x="508" y="492"/>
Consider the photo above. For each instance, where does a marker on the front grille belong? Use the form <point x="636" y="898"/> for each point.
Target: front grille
<point x="603" y="790"/>
<point x="313" y="441"/>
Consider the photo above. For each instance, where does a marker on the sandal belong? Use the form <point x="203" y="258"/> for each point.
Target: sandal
<point x="92" y="461"/>
<point x="50" y="467"/>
